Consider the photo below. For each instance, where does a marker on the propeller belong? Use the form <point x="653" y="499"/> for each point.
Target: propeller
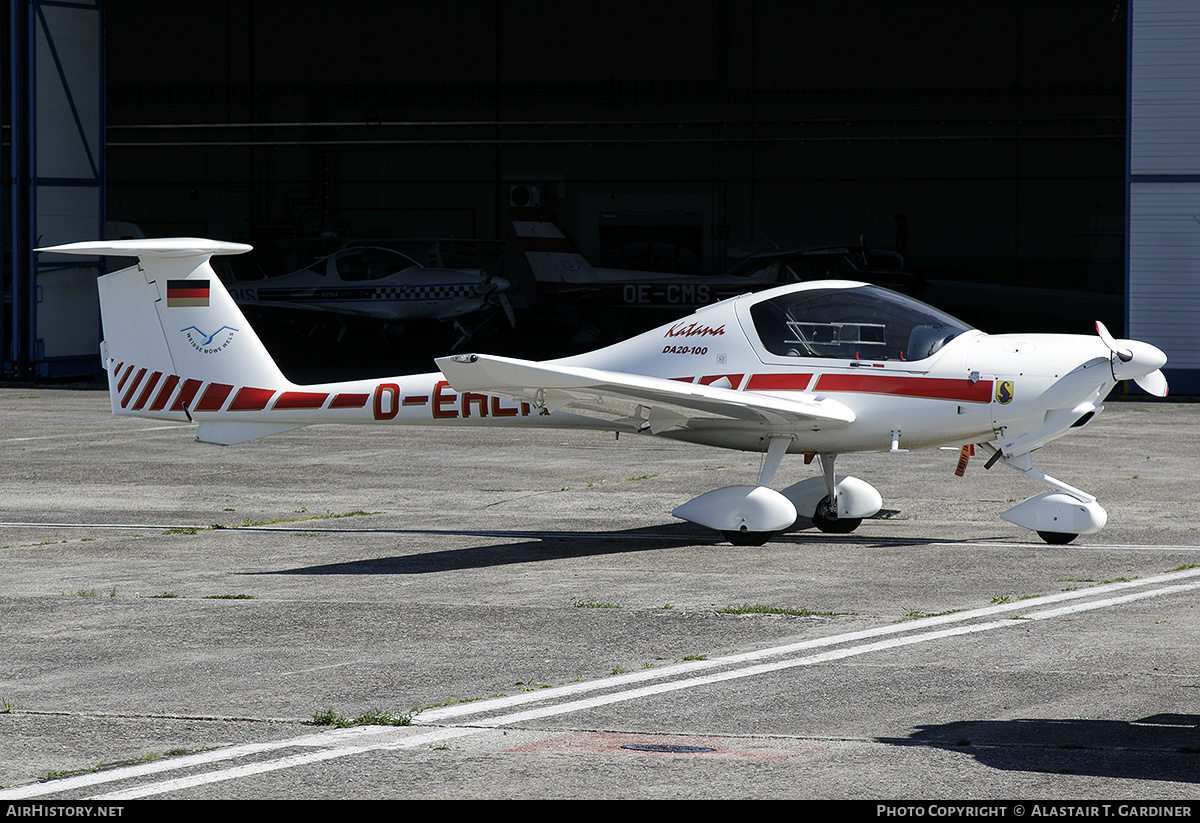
<point x="1137" y="361"/>
<point x="493" y="289"/>
<point x="508" y="310"/>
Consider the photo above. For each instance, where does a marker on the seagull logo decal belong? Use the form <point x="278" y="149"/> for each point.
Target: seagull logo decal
<point x="203" y="342"/>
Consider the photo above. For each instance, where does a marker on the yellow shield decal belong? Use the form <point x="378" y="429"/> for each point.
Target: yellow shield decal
<point x="1004" y="392"/>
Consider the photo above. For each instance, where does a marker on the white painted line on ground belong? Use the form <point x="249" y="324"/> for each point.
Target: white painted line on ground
<point x="126" y="526"/>
<point x="79" y="435"/>
<point x="346" y="743"/>
<point x="688" y="667"/>
<point x="177" y="763"/>
<point x="824" y="657"/>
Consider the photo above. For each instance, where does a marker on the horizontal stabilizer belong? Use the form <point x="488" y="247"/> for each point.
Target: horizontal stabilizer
<point x="150" y="247"/>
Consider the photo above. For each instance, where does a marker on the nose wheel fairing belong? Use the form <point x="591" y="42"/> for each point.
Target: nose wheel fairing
<point x="1058" y="517"/>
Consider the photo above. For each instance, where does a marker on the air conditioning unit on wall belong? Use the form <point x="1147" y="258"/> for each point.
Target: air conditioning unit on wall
<point x="534" y="189"/>
<point x="524" y="195"/>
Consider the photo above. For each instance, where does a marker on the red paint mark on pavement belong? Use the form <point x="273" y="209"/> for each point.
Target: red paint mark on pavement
<point x="612" y="744"/>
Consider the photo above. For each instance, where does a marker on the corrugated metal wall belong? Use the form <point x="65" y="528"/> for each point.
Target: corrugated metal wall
<point x="1163" y="291"/>
<point x="53" y="186"/>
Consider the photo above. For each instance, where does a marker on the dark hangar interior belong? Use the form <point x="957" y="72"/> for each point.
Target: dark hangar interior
<point x="984" y="142"/>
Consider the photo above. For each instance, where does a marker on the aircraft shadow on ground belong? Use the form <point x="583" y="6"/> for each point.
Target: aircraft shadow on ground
<point x="534" y="546"/>
<point x="556" y="545"/>
<point x="1160" y="747"/>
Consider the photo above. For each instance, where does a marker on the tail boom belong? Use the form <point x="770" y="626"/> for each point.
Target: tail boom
<point x="177" y="347"/>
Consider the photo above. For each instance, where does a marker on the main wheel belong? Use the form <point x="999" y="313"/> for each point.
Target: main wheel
<point x="825" y="519"/>
<point x="1057" y="538"/>
<point x="748" y="538"/>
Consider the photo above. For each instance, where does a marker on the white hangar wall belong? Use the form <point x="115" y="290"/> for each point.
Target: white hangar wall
<point x="1163" y="185"/>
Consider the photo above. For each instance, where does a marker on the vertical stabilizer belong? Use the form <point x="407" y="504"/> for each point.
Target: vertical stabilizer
<point x="174" y="340"/>
<point x="552" y="257"/>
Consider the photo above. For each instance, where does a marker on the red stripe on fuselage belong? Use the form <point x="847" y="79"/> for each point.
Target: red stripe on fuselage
<point x="145" y="395"/>
<point x="786" y="381"/>
<point x="300" y="400"/>
<point x="349" y="401"/>
<point x="132" y="388"/>
<point x="164" y="394"/>
<point x="933" y="388"/>
<point x="124" y="377"/>
<point x="248" y="399"/>
<point x="190" y="387"/>
<point x="213" y="397"/>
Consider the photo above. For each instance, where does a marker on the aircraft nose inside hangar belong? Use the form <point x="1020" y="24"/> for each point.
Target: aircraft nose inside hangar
<point x="1039" y="146"/>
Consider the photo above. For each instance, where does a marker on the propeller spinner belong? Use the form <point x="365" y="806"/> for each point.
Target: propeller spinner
<point x="1137" y="361"/>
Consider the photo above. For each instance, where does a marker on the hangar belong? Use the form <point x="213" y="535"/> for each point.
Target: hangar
<point x="1004" y="148"/>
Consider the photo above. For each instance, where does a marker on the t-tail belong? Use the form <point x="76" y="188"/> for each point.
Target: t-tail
<point x="177" y="347"/>
<point x="552" y="257"/>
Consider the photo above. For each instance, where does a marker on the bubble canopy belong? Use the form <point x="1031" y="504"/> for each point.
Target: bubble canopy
<point x="852" y="323"/>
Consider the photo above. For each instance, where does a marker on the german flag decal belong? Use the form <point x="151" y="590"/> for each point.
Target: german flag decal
<point x="192" y="293"/>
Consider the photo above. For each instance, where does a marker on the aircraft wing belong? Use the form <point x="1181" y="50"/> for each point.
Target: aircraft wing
<point x="553" y="386"/>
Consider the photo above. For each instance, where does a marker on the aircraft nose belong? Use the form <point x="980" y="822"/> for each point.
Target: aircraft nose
<point x="492" y="284"/>
<point x="1136" y="359"/>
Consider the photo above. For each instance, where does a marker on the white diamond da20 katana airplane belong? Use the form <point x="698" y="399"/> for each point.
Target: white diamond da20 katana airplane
<point x="818" y="369"/>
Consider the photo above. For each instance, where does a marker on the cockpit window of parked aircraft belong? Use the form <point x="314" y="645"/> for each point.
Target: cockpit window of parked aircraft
<point x="366" y="263"/>
<point x="860" y="323"/>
